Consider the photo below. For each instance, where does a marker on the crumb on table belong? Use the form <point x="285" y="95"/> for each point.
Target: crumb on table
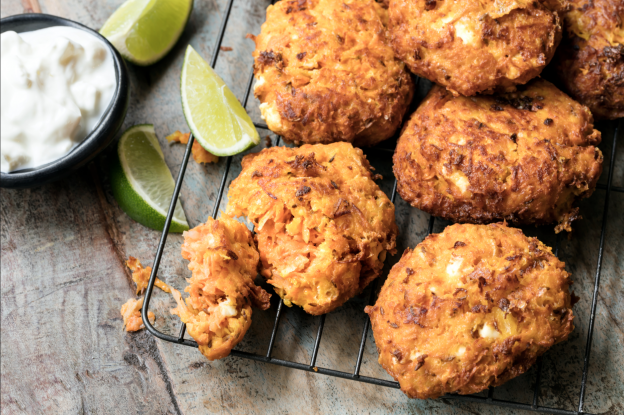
<point x="131" y="313"/>
<point x="200" y="155"/>
<point x="141" y="276"/>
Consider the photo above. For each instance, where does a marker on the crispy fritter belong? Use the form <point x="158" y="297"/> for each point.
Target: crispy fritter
<point x="524" y="157"/>
<point x="141" y="276"/>
<point x="131" y="314"/>
<point x="325" y="72"/>
<point x="590" y="61"/>
<point x="474" y="46"/>
<point x="469" y="308"/>
<point x="223" y="260"/>
<point x="322" y="224"/>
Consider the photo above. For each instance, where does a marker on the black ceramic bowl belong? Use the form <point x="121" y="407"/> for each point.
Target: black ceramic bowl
<point x="99" y="138"/>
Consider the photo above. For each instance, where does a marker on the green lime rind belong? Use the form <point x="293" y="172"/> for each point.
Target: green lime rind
<point x="132" y="199"/>
<point x="143" y="31"/>
<point x="213" y="113"/>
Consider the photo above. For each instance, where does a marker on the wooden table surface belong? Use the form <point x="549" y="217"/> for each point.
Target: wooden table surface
<point x="63" y="348"/>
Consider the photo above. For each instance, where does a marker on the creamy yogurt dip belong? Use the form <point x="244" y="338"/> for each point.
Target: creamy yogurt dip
<point x="56" y="85"/>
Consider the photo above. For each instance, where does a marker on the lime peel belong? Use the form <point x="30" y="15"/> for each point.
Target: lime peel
<point x="144" y="198"/>
<point x="215" y="117"/>
<point x="143" y="31"/>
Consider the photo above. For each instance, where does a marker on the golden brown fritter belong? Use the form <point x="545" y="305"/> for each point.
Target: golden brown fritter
<point x="322" y="224"/>
<point x="325" y="72"/>
<point x="590" y="61"/>
<point x="474" y="46"/>
<point x="524" y="157"/>
<point x="469" y="308"/>
<point x="223" y="259"/>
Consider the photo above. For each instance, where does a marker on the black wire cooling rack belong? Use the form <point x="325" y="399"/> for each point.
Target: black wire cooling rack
<point x="355" y="375"/>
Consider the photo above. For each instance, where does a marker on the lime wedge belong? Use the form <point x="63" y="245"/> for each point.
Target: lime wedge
<point x="141" y="181"/>
<point x="143" y="31"/>
<point x="218" y="121"/>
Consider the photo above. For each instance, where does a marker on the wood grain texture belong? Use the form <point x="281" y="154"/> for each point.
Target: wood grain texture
<point x="63" y="282"/>
<point x="63" y="348"/>
<point x="31" y="6"/>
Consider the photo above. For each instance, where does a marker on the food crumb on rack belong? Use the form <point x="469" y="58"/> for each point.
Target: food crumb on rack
<point x="141" y="276"/>
<point x="200" y="155"/>
<point x="267" y="141"/>
<point x="131" y="313"/>
<point x="226" y="48"/>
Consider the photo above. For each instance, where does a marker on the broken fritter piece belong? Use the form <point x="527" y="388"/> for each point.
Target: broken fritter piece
<point x="223" y="261"/>
<point x="323" y="226"/>
<point x="469" y="308"/>
<point x="200" y="154"/>
<point x="131" y="313"/>
<point x="141" y="276"/>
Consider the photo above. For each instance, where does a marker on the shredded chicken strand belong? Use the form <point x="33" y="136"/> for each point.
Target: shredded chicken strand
<point x="131" y="313"/>
<point x="223" y="261"/>
<point x="141" y="276"/>
<point x="200" y="154"/>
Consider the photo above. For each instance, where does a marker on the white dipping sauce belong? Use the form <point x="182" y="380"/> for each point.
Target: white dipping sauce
<point x="56" y="85"/>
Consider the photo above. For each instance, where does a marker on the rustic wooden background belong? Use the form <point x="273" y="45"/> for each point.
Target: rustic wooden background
<point x="63" y="349"/>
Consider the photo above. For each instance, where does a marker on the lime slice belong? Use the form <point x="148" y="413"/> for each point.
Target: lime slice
<point x="218" y="121"/>
<point x="141" y="181"/>
<point x="143" y="31"/>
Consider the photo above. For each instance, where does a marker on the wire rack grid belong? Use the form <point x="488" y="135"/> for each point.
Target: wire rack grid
<point x="355" y="375"/>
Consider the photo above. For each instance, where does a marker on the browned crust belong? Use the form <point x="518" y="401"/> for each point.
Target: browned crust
<point x="474" y="46"/>
<point x="322" y="224"/>
<point x="469" y="308"/>
<point x="328" y="73"/>
<point x="523" y="157"/>
<point x="590" y="61"/>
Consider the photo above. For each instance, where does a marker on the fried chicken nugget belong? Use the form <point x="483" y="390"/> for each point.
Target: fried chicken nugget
<point x="475" y="46"/>
<point x="223" y="259"/>
<point x="325" y="72"/>
<point x="524" y="157"/>
<point x="469" y="308"/>
<point x="322" y="224"/>
<point x="590" y="61"/>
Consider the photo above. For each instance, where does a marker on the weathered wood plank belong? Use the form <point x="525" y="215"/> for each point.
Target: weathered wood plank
<point x="63" y="348"/>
